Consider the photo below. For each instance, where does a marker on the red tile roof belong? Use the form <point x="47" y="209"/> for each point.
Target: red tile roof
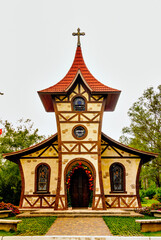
<point x="79" y="64"/>
<point x="95" y="87"/>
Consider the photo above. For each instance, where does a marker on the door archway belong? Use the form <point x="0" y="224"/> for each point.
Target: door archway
<point x="79" y="189"/>
<point x="79" y="184"/>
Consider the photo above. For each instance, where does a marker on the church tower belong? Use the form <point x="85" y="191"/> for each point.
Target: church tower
<point x="79" y="101"/>
<point x="79" y="166"/>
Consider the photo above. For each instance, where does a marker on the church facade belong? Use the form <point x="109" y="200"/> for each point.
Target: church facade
<point x="79" y="166"/>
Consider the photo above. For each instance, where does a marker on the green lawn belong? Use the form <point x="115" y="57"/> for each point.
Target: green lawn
<point x="149" y="202"/>
<point x="126" y="226"/>
<point x="31" y="226"/>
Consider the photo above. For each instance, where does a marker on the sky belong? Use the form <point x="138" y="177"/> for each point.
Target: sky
<point x="121" y="48"/>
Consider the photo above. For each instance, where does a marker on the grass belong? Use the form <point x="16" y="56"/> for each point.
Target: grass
<point x="31" y="226"/>
<point x="153" y="234"/>
<point x="149" y="202"/>
<point x="125" y="226"/>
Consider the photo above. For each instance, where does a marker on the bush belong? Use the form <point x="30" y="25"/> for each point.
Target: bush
<point x="159" y="194"/>
<point x="156" y="206"/>
<point x="9" y="206"/>
<point x="144" y="211"/>
<point x="142" y="195"/>
<point x="150" y="192"/>
<point x="147" y="210"/>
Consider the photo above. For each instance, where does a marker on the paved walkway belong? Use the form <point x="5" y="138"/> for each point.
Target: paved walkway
<point x="82" y="226"/>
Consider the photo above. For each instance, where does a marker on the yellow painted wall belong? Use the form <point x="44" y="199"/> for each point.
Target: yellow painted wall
<point x="29" y="165"/>
<point x="66" y="131"/>
<point x="131" y="168"/>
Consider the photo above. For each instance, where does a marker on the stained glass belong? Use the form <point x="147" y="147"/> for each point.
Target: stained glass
<point x="79" y="131"/>
<point x="43" y="172"/>
<point x="79" y="104"/>
<point x="117" y="177"/>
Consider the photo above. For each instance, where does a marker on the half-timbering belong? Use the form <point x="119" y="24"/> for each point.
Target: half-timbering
<point x="79" y="166"/>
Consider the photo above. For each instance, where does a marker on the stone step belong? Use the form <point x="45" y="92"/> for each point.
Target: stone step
<point x="79" y="213"/>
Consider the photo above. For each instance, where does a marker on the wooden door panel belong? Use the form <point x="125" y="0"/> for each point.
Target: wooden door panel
<point x="79" y="189"/>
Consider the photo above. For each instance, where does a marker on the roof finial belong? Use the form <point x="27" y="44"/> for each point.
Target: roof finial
<point x="78" y="34"/>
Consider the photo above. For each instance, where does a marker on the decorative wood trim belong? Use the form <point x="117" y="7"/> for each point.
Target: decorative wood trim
<point x="60" y="157"/>
<point x="79" y="121"/>
<point x="78" y="113"/>
<point x="99" y="156"/>
<point x="80" y="95"/>
<point x="40" y="157"/>
<point x="104" y="157"/>
<point x="39" y="197"/>
<point x="137" y="182"/>
<point x="22" y="183"/>
<point x="120" y="198"/>
<point x="116" y="151"/>
<point x="107" y="145"/>
<point x="77" y="142"/>
<point x="120" y="195"/>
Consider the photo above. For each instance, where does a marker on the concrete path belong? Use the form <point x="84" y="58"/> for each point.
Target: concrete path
<point x="84" y="226"/>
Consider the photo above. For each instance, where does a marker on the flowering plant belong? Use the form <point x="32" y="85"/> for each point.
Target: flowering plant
<point x="87" y="171"/>
<point x="9" y="206"/>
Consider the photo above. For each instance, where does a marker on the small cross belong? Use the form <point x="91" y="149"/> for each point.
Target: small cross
<point x="78" y="34"/>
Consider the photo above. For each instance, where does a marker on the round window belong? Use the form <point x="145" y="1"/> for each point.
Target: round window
<point x="79" y="132"/>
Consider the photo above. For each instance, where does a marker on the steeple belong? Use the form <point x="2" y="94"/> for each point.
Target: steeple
<point x="79" y="68"/>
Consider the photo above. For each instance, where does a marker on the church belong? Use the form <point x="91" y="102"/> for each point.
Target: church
<point x="79" y="166"/>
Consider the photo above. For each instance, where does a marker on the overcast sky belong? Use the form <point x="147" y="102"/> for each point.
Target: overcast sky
<point x="121" y="48"/>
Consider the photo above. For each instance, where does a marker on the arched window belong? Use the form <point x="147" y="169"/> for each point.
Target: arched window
<point x="79" y="104"/>
<point x="117" y="177"/>
<point x="42" y="178"/>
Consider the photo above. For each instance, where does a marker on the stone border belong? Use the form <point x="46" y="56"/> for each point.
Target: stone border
<point x="77" y="238"/>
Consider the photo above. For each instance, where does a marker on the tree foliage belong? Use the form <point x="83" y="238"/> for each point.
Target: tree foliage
<point x="144" y="132"/>
<point x="13" y="139"/>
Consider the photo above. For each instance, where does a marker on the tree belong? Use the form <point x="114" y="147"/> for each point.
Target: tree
<point x="14" y="139"/>
<point x="144" y="132"/>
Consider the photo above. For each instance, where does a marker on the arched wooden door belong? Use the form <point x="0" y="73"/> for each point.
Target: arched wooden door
<point x="79" y="189"/>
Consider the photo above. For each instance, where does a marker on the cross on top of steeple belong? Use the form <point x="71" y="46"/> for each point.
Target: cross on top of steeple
<point x="78" y="34"/>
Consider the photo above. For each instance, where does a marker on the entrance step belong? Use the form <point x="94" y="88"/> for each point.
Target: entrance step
<point x="78" y="213"/>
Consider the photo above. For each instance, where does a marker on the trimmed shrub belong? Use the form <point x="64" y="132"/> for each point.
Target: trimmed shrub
<point x="9" y="206"/>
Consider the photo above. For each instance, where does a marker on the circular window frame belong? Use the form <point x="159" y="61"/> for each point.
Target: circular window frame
<point x="84" y="136"/>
